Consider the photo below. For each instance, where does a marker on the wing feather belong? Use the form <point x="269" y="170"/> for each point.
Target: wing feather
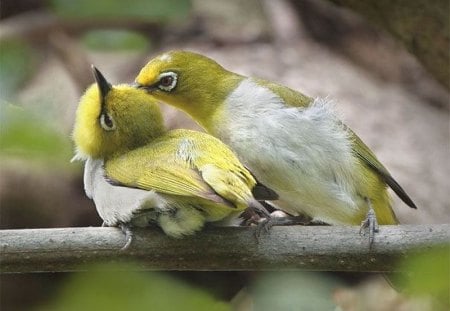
<point x="143" y="168"/>
<point x="368" y="157"/>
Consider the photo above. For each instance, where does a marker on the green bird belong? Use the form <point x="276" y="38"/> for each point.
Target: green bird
<point x="291" y="142"/>
<point x="137" y="172"/>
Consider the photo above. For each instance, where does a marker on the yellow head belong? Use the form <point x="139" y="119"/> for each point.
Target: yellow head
<point x="189" y="81"/>
<point x="113" y="119"/>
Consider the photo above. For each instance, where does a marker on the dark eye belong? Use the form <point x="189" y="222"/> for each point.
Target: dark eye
<point x="107" y="122"/>
<point x="167" y="81"/>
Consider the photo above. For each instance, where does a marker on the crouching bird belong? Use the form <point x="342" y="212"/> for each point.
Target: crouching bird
<point x="291" y="142"/>
<point x="137" y="172"/>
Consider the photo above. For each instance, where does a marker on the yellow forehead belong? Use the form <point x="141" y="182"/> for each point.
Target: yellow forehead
<point x="121" y="97"/>
<point x="150" y="73"/>
<point x="182" y="62"/>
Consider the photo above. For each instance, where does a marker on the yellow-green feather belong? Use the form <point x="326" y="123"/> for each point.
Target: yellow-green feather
<point x="140" y="153"/>
<point x="374" y="186"/>
<point x="162" y="166"/>
<point x="138" y="120"/>
<point x="198" y="95"/>
<point x="201" y="92"/>
<point x="290" y="97"/>
<point x="375" y="175"/>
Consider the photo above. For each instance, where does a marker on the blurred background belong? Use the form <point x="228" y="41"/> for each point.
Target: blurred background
<point x="386" y="66"/>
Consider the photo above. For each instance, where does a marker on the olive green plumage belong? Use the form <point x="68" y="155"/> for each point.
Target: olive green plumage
<point x="138" y="172"/>
<point x="195" y="167"/>
<point x="291" y="142"/>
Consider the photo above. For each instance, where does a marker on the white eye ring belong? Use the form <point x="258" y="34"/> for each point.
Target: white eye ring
<point x="169" y="87"/>
<point x="107" y="122"/>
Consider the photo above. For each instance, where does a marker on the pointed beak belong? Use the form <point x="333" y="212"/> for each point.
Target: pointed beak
<point x="103" y="85"/>
<point x="149" y="88"/>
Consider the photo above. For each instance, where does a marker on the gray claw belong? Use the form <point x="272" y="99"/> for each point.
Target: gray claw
<point x="265" y="226"/>
<point x="370" y="223"/>
<point x="126" y="229"/>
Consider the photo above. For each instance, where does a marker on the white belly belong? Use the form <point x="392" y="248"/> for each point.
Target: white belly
<point x="303" y="154"/>
<point x="117" y="204"/>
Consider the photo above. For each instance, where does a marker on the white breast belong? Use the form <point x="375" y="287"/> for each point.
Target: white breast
<point x="116" y="204"/>
<point x="302" y="153"/>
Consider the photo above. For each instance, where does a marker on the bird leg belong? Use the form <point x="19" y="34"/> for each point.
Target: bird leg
<point x="126" y="229"/>
<point x="252" y="215"/>
<point x="268" y="223"/>
<point x="370" y="223"/>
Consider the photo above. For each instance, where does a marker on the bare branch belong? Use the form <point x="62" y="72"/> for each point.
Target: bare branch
<point x="326" y="248"/>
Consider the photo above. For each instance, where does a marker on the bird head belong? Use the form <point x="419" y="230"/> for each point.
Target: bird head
<point x="189" y="81"/>
<point x="113" y="119"/>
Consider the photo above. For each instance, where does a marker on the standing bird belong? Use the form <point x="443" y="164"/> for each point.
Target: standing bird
<point x="137" y="172"/>
<point x="291" y="142"/>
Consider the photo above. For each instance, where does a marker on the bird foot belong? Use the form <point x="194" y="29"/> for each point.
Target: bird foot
<point x="268" y="223"/>
<point x="126" y="229"/>
<point x="255" y="213"/>
<point x="369" y="224"/>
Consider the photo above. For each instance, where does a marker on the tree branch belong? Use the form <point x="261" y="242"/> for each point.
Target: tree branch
<point x="325" y="248"/>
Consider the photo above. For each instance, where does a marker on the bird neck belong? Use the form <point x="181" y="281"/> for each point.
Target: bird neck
<point x="136" y="138"/>
<point x="211" y="105"/>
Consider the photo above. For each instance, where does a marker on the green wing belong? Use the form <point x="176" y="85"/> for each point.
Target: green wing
<point x="150" y="169"/>
<point x="297" y="99"/>
<point x="291" y="97"/>
<point x="368" y="157"/>
<point x="190" y="164"/>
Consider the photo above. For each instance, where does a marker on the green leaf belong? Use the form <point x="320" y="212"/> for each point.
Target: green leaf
<point x="119" y="287"/>
<point x="144" y="10"/>
<point x="110" y="40"/>
<point x="428" y="273"/>
<point x="16" y="65"/>
<point x="25" y="135"/>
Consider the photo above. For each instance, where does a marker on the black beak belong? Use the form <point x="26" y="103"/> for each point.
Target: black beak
<point x="103" y="85"/>
<point x="147" y="88"/>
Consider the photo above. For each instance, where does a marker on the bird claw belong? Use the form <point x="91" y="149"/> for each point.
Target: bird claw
<point x="369" y="223"/>
<point x="256" y="207"/>
<point x="126" y="229"/>
<point x="268" y="223"/>
<point x="253" y="219"/>
<point x="264" y="225"/>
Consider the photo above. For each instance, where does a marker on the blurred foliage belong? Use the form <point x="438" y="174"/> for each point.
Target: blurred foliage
<point x="17" y="62"/>
<point x="145" y="10"/>
<point x="428" y="273"/>
<point x="28" y="136"/>
<point x="286" y="291"/>
<point x="113" y="40"/>
<point x="117" y="287"/>
<point x="10" y="8"/>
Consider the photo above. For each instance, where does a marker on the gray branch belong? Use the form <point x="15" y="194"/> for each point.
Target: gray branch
<point x="325" y="248"/>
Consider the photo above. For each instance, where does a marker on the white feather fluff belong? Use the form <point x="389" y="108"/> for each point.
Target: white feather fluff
<point x="117" y="204"/>
<point x="299" y="152"/>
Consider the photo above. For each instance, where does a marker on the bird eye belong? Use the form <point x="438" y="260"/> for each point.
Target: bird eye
<point x="106" y="121"/>
<point x="167" y="81"/>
